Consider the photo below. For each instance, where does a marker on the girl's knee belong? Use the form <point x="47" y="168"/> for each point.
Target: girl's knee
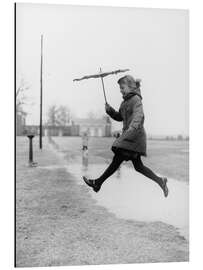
<point x="138" y="168"/>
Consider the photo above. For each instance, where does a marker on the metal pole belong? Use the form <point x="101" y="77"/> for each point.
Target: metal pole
<point x="30" y="151"/>
<point x="41" y="65"/>
<point x="30" y="137"/>
<point x="31" y="162"/>
<point x="103" y="87"/>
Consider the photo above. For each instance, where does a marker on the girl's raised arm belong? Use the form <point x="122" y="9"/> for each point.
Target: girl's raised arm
<point x="113" y="113"/>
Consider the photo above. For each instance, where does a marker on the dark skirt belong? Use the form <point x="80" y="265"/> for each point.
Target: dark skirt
<point x="126" y="154"/>
<point x="131" y="143"/>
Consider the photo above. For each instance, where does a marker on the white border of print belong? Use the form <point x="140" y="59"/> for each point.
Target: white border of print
<point x="196" y="130"/>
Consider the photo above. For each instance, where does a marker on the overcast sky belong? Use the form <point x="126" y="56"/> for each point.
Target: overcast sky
<point x="152" y="43"/>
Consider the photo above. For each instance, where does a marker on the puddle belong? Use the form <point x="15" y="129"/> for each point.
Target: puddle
<point x="51" y="167"/>
<point x="130" y="195"/>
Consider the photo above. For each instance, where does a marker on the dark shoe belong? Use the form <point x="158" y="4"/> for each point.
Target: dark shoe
<point x="164" y="186"/>
<point x="92" y="184"/>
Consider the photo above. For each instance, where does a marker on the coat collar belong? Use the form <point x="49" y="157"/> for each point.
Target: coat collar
<point x="131" y="94"/>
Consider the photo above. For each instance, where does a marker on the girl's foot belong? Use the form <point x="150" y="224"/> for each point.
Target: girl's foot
<point x="92" y="183"/>
<point x="164" y="186"/>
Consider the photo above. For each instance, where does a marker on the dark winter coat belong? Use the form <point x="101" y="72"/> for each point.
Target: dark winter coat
<point x="131" y="141"/>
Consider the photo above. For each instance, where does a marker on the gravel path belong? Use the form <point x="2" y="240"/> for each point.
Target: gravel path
<point x="58" y="223"/>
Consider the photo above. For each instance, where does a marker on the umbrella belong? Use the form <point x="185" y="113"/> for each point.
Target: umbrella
<point x="102" y="75"/>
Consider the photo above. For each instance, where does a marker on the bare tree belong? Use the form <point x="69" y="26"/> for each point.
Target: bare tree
<point x="91" y="115"/>
<point x="63" y="115"/>
<point x="107" y="119"/>
<point x="21" y="97"/>
<point x="52" y="115"/>
<point x="94" y="114"/>
<point x="59" y="115"/>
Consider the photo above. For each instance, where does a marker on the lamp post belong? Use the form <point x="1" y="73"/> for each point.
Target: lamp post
<point x="41" y="85"/>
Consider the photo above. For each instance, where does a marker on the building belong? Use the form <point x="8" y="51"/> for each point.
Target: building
<point x="95" y="127"/>
<point x="48" y="130"/>
<point x="100" y="127"/>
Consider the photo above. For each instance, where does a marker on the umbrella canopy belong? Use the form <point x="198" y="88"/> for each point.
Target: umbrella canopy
<point x="101" y="74"/>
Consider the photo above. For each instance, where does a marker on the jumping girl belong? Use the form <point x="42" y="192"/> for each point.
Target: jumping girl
<point x="131" y="145"/>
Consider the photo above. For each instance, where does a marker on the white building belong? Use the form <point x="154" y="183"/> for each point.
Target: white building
<point x="100" y="127"/>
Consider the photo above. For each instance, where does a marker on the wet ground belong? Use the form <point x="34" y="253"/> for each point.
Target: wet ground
<point x="131" y="195"/>
<point x="60" y="221"/>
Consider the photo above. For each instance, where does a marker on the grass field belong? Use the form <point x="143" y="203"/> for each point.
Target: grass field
<point x="170" y="158"/>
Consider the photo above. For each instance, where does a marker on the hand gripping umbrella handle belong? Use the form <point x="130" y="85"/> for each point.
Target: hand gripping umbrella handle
<point x="103" y="87"/>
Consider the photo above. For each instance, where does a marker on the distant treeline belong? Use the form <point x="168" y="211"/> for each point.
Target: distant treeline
<point x="179" y="137"/>
<point x="169" y="138"/>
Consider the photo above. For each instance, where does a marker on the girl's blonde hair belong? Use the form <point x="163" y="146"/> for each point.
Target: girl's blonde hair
<point x="130" y="81"/>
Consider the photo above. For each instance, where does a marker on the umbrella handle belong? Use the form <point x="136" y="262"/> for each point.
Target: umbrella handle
<point x="103" y="87"/>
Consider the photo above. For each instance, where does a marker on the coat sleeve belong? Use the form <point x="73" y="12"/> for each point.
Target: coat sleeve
<point x="114" y="114"/>
<point x="138" y="114"/>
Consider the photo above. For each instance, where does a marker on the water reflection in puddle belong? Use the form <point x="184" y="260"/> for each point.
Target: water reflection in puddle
<point x="130" y="195"/>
